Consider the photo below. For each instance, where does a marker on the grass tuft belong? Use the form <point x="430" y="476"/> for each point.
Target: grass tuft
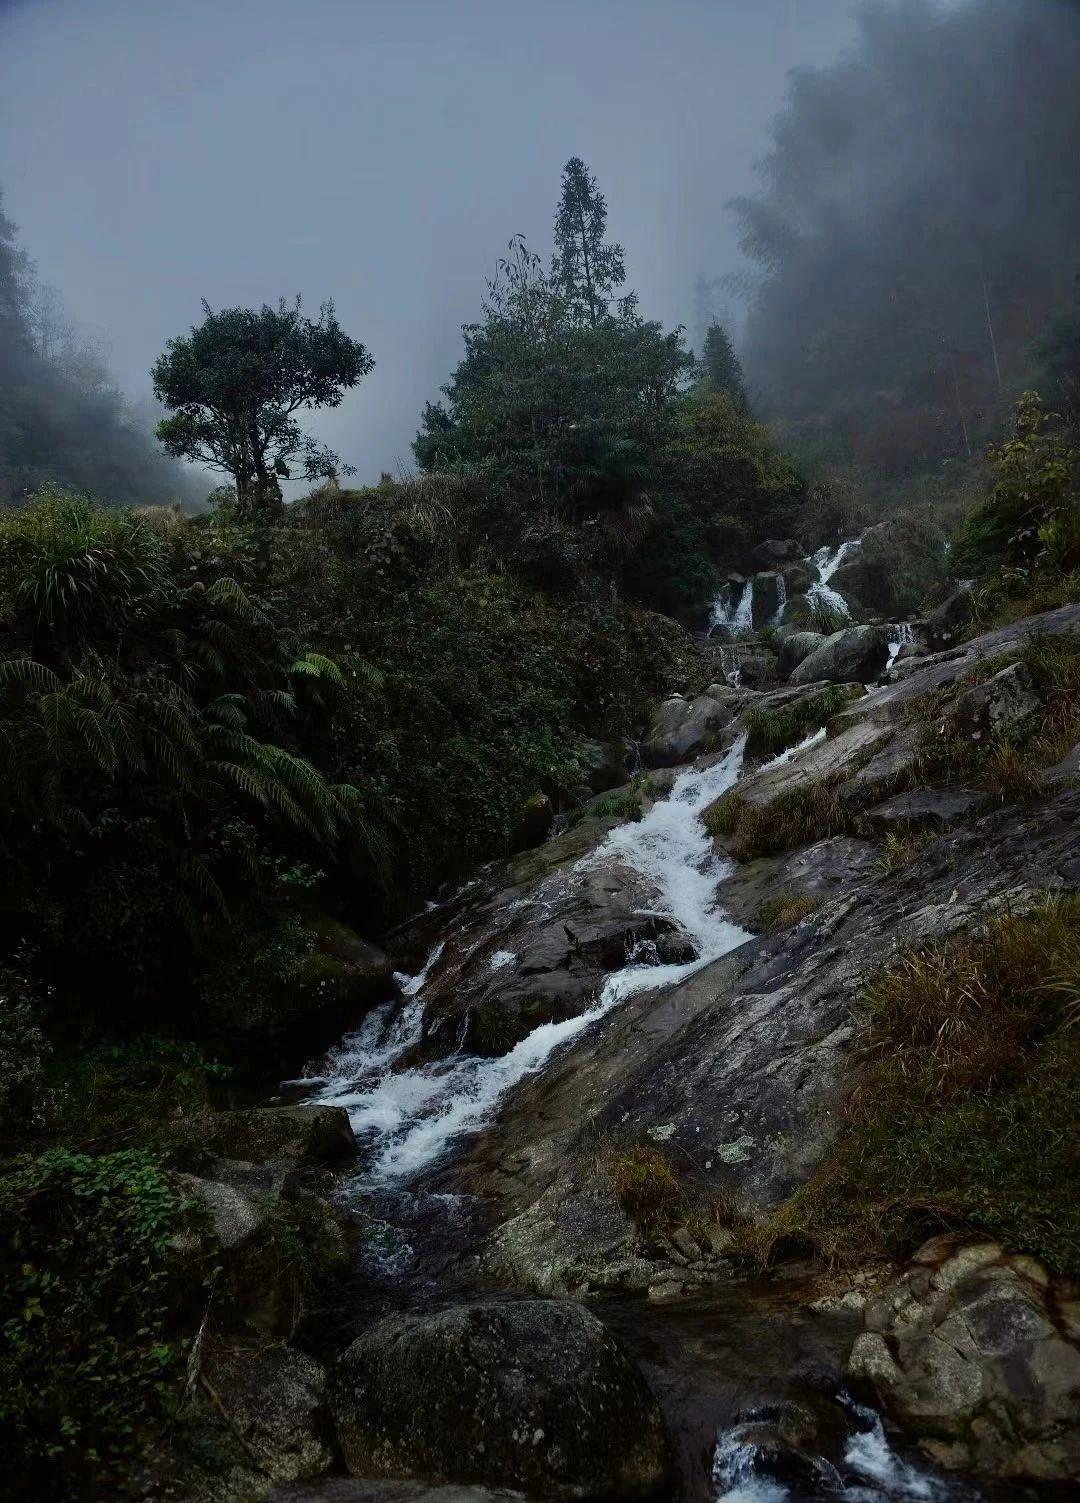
<point x="967" y="1115"/>
<point x="785" y="911"/>
<point x="805" y="814"/>
<point x="769" y="732"/>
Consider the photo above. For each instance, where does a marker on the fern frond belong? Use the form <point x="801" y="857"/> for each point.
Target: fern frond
<point x="30" y="674"/>
<point x="226" y="592"/>
<point x="96" y="738"/>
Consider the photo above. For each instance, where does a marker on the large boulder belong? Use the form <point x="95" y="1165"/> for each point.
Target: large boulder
<point x="968" y="1350"/>
<point x="274" y="1399"/>
<point x="683" y="728"/>
<point x="606" y="764"/>
<point x="776" y="551"/>
<point x="770" y="596"/>
<point x="1000" y="703"/>
<point x="946" y="626"/>
<point x="530" y="1394"/>
<point x="796" y="647"/>
<point x="306" y="1133"/>
<point x="856" y="655"/>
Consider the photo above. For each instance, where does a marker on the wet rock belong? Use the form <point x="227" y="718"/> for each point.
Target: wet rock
<point x="946" y="626"/>
<point x="530" y="1394"/>
<point x="820" y="872"/>
<point x="778" y="551"/>
<point x="758" y="669"/>
<point x="553" y="951"/>
<point x="304" y="1133"/>
<point x="766" y="600"/>
<point x="275" y="1402"/>
<point x="797" y="646"/>
<point x="857" y="654"/>
<point x="1006" y="700"/>
<point x="683" y="728"/>
<point x="934" y="808"/>
<point x="965" y="1350"/>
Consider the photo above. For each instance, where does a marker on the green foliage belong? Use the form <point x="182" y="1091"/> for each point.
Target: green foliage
<point x="771" y="731"/>
<point x="87" y="1317"/>
<point x="647" y="1188"/>
<point x="24" y="1051"/>
<point x="804" y="814"/>
<point x="64" y="421"/>
<point x="626" y="805"/>
<point x="967" y="1113"/>
<point x="1032" y="516"/>
<point x="720" y="365"/>
<point x="234" y="385"/>
<point x="585" y="268"/>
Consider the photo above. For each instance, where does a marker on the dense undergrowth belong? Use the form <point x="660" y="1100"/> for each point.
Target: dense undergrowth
<point x="966" y="1112"/>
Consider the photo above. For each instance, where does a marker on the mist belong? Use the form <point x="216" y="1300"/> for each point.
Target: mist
<point x="915" y="230"/>
<point x="378" y="155"/>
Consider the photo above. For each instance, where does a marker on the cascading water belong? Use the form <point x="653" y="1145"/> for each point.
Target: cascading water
<point x="901" y="635"/>
<point x="828" y="560"/>
<point x="781" y="601"/>
<point x="869" y="1471"/>
<point x="410" y="1116"/>
<point x="736" y="617"/>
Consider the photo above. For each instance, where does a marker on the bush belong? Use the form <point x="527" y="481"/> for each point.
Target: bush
<point x="88" y="1312"/>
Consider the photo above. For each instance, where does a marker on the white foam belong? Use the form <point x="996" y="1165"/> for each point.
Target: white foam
<point x="501" y="959"/>
<point x="901" y="635"/>
<point x="781" y="601"/>
<point x="828" y="560"/>
<point x="413" y="1114"/>
<point x="736" y="617"/>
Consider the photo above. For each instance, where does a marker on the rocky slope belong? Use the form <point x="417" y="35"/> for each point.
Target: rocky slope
<point x="677" y="975"/>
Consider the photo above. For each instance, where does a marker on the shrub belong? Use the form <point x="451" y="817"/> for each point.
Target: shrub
<point x="88" y="1313"/>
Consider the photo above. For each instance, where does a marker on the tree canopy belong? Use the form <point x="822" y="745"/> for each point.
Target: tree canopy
<point x="235" y="384"/>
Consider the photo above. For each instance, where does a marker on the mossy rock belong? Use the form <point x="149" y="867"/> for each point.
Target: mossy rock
<point x="309" y="1134"/>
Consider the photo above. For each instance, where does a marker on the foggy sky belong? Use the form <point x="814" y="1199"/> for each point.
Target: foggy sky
<point x="379" y="152"/>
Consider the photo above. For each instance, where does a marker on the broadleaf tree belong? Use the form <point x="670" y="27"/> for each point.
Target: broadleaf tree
<point x="235" y="385"/>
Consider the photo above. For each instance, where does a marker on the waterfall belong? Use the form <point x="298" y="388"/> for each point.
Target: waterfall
<point x="901" y="635"/>
<point x="736" y="617"/>
<point x="409" y="1116"/>
<point x="781" y="601"/>
<point x="828" y="560"/>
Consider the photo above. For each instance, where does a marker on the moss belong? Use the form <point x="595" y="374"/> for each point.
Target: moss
<point x="968" y="1112"/>
<point x="784" y="911"/>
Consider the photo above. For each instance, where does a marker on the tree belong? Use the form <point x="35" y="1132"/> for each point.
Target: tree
<point x="235" y="384"/>
<point x="721" y="365"/>
<point x="586" y="270"/>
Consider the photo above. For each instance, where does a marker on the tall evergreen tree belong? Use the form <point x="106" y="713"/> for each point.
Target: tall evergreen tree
<point x="721" y="364"/>
<point x="587" y="270"/>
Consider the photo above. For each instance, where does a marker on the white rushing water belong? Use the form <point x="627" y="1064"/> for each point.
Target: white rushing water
<point x="781" y="601"/>
<point x="901" y="635"/>
<point x="736" y="617"/>
<point x="828" y="560"/>
<point x="872" y="1472"/>
<point x="410" y="1115"/>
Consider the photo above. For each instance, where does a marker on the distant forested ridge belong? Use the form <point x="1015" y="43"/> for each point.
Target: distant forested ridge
<point x="62" y="419"/>
<point x="917" y="231"/>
